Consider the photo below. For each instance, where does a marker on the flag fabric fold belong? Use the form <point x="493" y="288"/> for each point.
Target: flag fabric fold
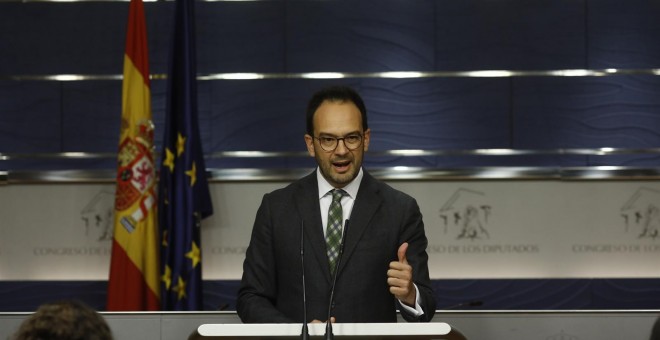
<point x="184" y="198"/>
<point x="134" y="278"/>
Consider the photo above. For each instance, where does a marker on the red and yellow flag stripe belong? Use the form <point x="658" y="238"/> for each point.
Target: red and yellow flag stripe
<point x="134" y="282"/>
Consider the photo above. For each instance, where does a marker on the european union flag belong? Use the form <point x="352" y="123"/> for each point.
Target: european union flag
<point x="184" y="198"/>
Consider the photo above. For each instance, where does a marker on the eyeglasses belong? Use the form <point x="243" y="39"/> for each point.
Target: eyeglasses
<point x="329" y="143"/>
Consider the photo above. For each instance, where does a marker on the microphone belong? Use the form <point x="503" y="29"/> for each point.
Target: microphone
<point x="304" y="334"/>
<point x="328" y="325"/>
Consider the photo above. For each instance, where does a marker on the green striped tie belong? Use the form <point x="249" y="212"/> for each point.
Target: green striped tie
<point x="333" y="231"/>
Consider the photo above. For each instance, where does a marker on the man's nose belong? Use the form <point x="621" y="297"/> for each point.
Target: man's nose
<point x="341" y="147"/>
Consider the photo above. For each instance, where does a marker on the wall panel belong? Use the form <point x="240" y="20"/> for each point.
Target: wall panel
<point x="31" y="117"/>
<point x="623" y="34"/>
<point x="593" y="112"/>
<point x="356" y="36"/>
<point x="442" y="111"/>
<point x="510" y="35"/>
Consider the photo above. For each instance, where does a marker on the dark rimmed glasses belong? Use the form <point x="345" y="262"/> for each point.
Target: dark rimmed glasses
<point x="329" y="143"/>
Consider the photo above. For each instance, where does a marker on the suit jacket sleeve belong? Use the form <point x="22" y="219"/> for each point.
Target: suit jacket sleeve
<point x="413" y="233"/>
<point x="258" y="290"/>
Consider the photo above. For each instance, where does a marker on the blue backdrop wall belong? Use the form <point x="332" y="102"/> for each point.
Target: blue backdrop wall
<point x="283" y="38"/>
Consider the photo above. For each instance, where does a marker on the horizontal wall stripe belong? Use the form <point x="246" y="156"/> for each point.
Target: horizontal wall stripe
<point x="380" y="153"/>
<point x="398" y="173"/>
<point x="473" y="294"/>
<point x="351" y="75"/>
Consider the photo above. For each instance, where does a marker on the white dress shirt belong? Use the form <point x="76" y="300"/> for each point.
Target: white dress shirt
<point x="325" y="198"/>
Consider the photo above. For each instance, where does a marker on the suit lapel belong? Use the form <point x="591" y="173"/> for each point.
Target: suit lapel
<point x="307" y="201"/>
<point x="366" y="204"/>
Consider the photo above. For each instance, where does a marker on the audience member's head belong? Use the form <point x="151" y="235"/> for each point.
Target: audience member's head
<point x="70" y="320"/>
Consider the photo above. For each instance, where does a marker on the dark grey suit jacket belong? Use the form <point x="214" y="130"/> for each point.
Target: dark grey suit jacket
<point x="381" y="220"/>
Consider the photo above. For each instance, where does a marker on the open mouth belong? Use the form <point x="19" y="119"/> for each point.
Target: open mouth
<point x="341" y="166"/>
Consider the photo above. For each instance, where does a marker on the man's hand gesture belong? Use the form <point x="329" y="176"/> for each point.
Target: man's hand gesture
<point x="399" y="278"/>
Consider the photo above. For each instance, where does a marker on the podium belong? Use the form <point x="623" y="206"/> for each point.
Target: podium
<point x="343" y="331"/>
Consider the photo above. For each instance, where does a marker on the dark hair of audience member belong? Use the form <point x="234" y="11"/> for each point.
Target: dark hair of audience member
<point x="70" y="320"/>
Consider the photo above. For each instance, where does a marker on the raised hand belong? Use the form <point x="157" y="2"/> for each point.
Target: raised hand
<point x="399" y="278"/>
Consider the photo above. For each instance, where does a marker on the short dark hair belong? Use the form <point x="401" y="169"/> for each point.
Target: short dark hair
<point x="334" y="93"/>
<point x="64" y="320"/>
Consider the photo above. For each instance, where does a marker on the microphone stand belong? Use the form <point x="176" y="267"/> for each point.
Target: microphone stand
<point x="329" y="335"/>
<point x="304" y="334"/>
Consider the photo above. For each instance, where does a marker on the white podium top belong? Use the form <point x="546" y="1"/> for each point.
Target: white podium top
<point x="433" y="330"/>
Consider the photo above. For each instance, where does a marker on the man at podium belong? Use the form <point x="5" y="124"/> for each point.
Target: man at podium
<point x="336" y="232"/>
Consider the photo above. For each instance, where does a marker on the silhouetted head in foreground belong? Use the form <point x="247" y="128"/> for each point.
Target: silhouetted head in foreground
<point x="64" y="320"/>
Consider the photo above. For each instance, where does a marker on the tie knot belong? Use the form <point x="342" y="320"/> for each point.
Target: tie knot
<point x="337" y="194"/>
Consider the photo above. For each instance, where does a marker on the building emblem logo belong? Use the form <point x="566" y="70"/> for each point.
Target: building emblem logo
<point x="466" y="215"/>
<point x="641" y="213"/>
<point x="98" y="215"/>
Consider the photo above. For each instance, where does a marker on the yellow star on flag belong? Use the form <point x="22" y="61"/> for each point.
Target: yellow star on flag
<point x="195" y="255"/>
<point x="180" y="288"/>
<point x="167" y="277"/>
<point x="180" y="144"/>
<point x="169" y="160"/>
<point x="193" y="174"/>
<point x="164" y="242"/>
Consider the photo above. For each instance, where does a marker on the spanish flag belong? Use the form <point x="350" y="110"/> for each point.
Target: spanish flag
<point x="134" y="283"/>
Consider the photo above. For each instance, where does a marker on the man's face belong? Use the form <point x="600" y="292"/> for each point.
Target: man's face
<point x="338" y="119"/>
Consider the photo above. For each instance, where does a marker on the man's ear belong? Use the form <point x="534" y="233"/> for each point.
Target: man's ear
<point x="367" y="135"/>
<point x="309" y="141"/>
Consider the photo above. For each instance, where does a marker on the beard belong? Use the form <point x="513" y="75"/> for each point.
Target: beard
<point x="338" y="177"/>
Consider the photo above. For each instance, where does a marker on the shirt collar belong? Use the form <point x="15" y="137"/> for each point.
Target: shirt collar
<point x="351" y="188"/>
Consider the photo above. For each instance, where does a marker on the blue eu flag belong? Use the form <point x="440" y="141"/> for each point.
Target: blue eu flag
<point x="184" y="198"/>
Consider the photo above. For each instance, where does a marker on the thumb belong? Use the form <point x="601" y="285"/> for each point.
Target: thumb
<point x="402" y="253"/>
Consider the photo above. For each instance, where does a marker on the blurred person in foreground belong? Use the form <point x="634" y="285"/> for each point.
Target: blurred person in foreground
<point x="64" y="320"/>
